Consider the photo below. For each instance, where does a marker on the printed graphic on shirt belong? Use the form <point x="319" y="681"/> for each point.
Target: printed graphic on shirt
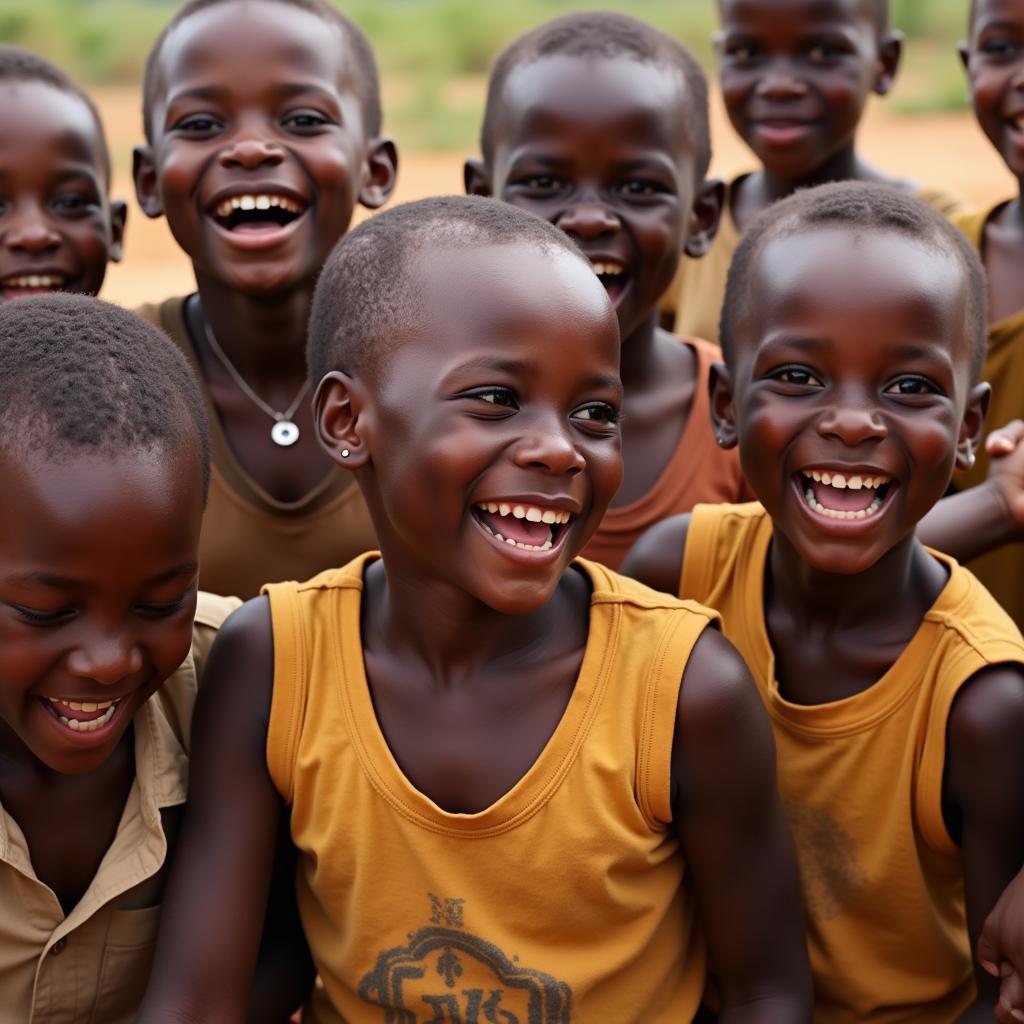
<point x="829" y="868"/>
<point x="445" y="975"/>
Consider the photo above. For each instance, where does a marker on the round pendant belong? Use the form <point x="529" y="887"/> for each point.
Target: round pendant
<point x="284" y="433"/>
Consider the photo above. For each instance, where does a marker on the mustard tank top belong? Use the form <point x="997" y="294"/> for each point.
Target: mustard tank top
<point x="861" y="779"/>
<point x="566" y="900"/>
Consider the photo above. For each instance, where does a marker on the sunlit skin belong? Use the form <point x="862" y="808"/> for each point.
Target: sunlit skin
<point x="57" y="224"/>
<point x="994" y="59"/>
<point x="854" y="356"/>
<point x="795" y="77"/>
<point x="256" y="97"/>
<point x="505" y="388"/>
<point x="603" y="149"/>
<point x="98" y="569"/>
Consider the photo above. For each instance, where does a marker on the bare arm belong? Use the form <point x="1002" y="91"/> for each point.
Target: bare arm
<point x="656" y="559"/>
<point x="1000" y="949"/>
<point x="984" y="793"/>
<point x="217" y="892"/>
<point x="730" y="821"/>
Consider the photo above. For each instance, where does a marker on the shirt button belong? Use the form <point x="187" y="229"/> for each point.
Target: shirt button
<point x="58" y="946"/>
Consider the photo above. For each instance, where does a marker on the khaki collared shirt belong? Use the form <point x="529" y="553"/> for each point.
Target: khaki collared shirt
<point x="92" y="966"/>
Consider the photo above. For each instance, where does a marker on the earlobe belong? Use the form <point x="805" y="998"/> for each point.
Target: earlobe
<point x="337" y="407"/>
<point x="118" y="217"/>
<point x="380" y="173"/>
<point x="704" y="217"/>
<point x="973" y="426"/>
<point x="144" y="174"/>
<point x="476" y="178"/>
<point x="723" y="406"/>
<point x="890" y="51"/>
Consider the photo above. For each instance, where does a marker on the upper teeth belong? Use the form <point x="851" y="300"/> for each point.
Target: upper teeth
<point x="34" y="281"/>
<point x="256" y="202"/>
<point x="108" y="707"/>
<point x="85" y="705"/>
<point x="529" y="512"/>
<point x="606" y="268"/>
<point x="855" y="483"/>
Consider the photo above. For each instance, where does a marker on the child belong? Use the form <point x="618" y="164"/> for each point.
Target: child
<point x="58" y="228"/>
<point x="263" y="126"/>
<point x="598" y="123"/>
<point x="493" y="774"/>
<point x="994" y="58"/>
<point x="795" y="78"/>
<point x="853" y="332"/>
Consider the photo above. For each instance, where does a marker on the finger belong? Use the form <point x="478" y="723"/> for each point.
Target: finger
<point x="1011" y="993"/>
<point x="1004" y="439"/>
<point x="988" y="950"/>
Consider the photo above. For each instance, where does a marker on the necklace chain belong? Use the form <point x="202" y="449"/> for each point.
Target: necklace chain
<point x="243" y="384"/>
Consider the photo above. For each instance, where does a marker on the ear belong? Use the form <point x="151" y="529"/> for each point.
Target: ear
<point x="704" y="217"/>
<point x="717" y="41"/>
<point x="890" y="50"/>
<point x="337" y="407"/>
<point x="964" y="52"/>
<point x="380" y="173"/>
<point x="723" y="406"/>
<point x="477" y="178"/>
<point x="973" y="425"/>
<point x="144" y="173"/>
<point x="118" y="216"/>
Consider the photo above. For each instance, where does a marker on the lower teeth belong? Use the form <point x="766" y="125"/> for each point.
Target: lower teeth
<point x="93" y="724"/>
<point x="546" y="546"/>
<point x="834" y="513"/>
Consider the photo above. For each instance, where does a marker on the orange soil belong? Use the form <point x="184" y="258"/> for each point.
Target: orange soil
<point x="946" y="151"/>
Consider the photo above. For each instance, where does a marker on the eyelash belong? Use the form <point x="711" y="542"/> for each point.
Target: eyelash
<point x="152" y="611"/>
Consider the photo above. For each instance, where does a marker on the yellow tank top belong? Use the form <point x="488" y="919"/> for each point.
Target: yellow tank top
<point x="567" y="899"/>
<point x="861" y="779"/>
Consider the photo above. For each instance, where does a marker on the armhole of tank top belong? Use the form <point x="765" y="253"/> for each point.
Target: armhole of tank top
<point x="290" y="691"/>
<point x="660" y="702"/>
<point x="694" y="583"/>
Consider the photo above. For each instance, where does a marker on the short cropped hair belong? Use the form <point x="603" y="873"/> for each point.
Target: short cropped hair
<point x="880" y="12"/>
<point x="18" y="65"/>
<point x="367" y="298"/>
<point x="77" y="373"/>
<point x="602" y="34"/>
<point x="857" y="206"/>
<point x="366" y="77"/>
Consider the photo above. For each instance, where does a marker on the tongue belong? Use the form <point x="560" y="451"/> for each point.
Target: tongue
<point x="252" y="227"/>
<point x="842" y="499"/>
<point x="521" y="530"/>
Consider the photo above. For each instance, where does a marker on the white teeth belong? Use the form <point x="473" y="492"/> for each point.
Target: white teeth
<point x="518" y="511"/>
<point x="606" y="269"/>
<point x="503" y="510"/>
<point x="534" y="515"/>
<point x="34" y="281"/>
<point x="549" y="516"/>
<point x="91" y="726"/>
<point x="833" y="513"/>
<point x="255" y="202"/>
<point x="531" y="513"/>
<point x="855" y="483"/>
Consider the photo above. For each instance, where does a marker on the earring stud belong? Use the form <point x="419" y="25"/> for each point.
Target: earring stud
<point x="345" y="453"/>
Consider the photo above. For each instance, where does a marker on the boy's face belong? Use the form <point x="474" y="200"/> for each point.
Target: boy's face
<point x="500" y="410"/>
<point x="603" y="149"/>
<point x="854" y="360"/>
<point x="57" y="227"/>
<point x="98" y="569"/>
<point x="995" y="61"/>
<point x="796" y="74"/>
<point x="259" y="152"/>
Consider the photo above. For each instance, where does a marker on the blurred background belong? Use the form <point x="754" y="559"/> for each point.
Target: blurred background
<point x="434" y="56"/>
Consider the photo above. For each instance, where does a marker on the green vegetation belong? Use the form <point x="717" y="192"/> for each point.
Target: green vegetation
<point x="434" y="53"/>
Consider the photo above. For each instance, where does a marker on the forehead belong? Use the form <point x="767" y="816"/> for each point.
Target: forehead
<point x="218" y="45"/>
<point x="858" y="286"/>
<point x="39" y="122"/>
<point x="995" y="13"/>
<point x="620" y="96"/>
<point x="512" y="299"/>
<point x="799" y="14"/>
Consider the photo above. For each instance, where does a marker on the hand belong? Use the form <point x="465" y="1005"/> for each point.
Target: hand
<point x="1011" y="997"/>
<point x="1001" y="950"/>
<point x="1006" y="471"/>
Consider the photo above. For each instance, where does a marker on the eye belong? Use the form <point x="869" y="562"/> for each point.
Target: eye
<point x="798" y="376"/>
<point x="999" y="49"/>
<point x="70" y="203"/>
<point x="597" y="413"/>
<point x="740" y="53"/>
<point x="541" y="183"/>
<point x="305" y="120"/>
<point x="163" y="611"/>
<point x="639" y="187"/>
<point x="823" y="53"/>
<point x="913" y="386"/>
<point x="197" y="124"/>
<point x="38" y="618"/>
<point x="503" y="398"/>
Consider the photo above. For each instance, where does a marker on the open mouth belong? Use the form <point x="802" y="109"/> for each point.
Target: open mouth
<point x="527" y="527"/>
<point x="257" y="212"/>
<point x="28" y="284"/>
<point x="612" y="275"/>
<point x="844" y="495"/>
<point x="82" y="716"/>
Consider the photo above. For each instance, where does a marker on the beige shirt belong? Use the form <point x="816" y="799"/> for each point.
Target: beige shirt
<point x="92" y="966"/>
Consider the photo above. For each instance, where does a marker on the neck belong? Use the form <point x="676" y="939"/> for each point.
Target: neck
<point x="843" y="166"/>
<point x="263" y="337"/>
<point x="637" y="365"/>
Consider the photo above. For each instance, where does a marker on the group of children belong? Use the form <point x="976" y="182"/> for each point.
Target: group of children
<point x="772" y="772"/>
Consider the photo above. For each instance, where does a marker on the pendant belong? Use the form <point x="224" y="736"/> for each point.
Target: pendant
<point x="284" y="433"/>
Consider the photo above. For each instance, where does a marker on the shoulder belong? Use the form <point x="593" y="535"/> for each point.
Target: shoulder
<point x="949" y="204"/>
<point x="987" y="708"/>
<point x="163" y="314"/>
<point x="972" y="223"/>
<point x="716" y="686"/>
<point x="656" y="559"/>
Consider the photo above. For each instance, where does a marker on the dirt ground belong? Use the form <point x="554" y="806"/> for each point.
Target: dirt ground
<point x="946" y="151"/>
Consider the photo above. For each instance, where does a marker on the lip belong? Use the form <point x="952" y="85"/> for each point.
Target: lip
<point x="617" y="286"/>
<point x="10" y="291"/>
<point x="531" y="559"/>
<point x="782" y="131"/>
<point x="88" y="740"/>
<point x="844" y="527"/>
<point x="256" y="241"/>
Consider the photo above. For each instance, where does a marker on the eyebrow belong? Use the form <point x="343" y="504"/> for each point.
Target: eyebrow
<point x="58" y="582"/>
<point x="212" y="92"/>
<point x="517" y="366"/>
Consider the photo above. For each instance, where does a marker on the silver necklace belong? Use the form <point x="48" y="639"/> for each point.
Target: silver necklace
<point x="284" y="432"/>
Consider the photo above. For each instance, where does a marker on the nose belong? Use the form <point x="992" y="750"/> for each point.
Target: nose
<point x="106" y="658"/>
<point x="779" y="82"/>
<point x="251" y="152"/>
<point x="550" y="447"/>
<point x="852" y="422"/>
<point x="588" y="218"/>
<point x="28" y="229"/>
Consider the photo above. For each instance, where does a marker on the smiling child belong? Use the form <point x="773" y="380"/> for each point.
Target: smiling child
<point x="263" y="125"/>
<point x="853" y="334"/>
<point x="58" y="228"/>
<point x="795" y="77"/>
<point x="598" y="123"/>
<point x="522" y="786"/>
